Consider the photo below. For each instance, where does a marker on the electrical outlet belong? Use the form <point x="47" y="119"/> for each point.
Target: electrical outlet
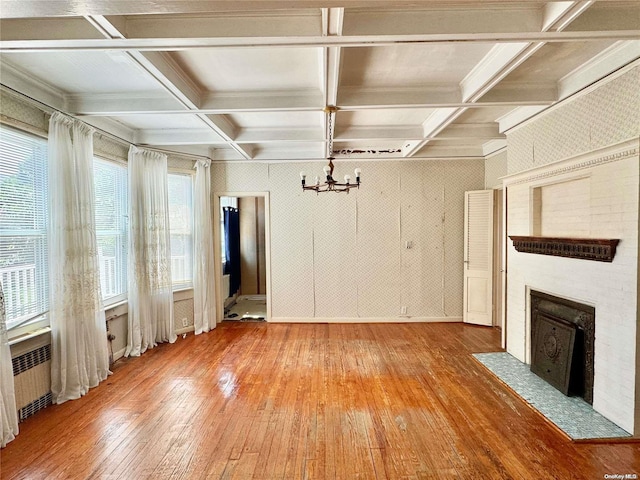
<point x="185" y="322"/>
<point x="403" y="310"/>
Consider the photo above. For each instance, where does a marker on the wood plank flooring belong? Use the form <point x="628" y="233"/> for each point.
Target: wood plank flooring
<point x="299" y="401"/>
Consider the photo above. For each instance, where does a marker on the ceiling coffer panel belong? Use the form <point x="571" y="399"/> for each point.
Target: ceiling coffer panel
<point x="261" y="81"/>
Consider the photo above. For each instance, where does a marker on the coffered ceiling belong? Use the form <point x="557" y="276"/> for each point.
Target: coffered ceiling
<point x="250" y="80"/>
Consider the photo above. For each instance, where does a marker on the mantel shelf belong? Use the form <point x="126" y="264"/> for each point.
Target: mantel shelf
<point x="600" y="250"/>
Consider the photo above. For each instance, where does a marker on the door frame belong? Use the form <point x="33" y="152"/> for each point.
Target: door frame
<point x="218" y="254"/>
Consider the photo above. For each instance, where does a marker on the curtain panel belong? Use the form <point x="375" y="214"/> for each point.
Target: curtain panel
<point x="79" y="351"/>
<point x="232" y="245"/>
<point x="8" y="412"/>
<point x="204" y="297"/>
<point x="150" y="290"/>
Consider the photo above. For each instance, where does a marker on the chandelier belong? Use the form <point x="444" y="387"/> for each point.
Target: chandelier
<point x="330" y="184"/>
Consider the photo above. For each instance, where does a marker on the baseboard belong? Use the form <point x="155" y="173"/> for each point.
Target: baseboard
<point x="183" y="330"/>
<point x="119" y="354"/>
<point x="366" y="320"/>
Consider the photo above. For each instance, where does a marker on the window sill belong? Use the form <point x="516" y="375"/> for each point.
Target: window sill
<point x="184" y="293"/>
<point x="32" y="334"/>
<point x="19" y="332"/>
<point x="113" y="306"/>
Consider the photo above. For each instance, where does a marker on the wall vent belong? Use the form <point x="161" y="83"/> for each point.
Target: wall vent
<point x="28" y="360"/>
<point x="35" y="406"/>
<point x="32" y="379"/>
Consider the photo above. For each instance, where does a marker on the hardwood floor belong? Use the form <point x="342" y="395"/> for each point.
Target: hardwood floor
<point x="275" y="401"/>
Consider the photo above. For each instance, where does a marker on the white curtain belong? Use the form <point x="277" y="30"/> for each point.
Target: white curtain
<point x="204" y="297"/>
<point x="150" y="292"/>
<point x="79" y="356"/>
<point x="8" y="412"/>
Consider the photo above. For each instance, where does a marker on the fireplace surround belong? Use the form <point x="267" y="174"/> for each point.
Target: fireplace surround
<point x="552" y="318"/>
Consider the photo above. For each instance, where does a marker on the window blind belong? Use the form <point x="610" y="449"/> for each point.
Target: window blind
<point x="23" y="225"/>
<point x="181" y="226"/>
<point x="111" y="202"/>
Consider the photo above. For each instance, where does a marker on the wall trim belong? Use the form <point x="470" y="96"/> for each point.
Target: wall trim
<point x="365" y="320"/>
<point x="119" y="354"/>
<point x="610" y="154"/>
<point x="320" y="161"/>
<point x="185" y="330"/>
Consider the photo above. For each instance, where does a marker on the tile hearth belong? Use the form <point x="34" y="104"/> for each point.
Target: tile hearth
<point x="572" y="415"/>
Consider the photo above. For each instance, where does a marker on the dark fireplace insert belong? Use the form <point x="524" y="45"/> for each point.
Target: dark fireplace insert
<point x="562" y="343"/>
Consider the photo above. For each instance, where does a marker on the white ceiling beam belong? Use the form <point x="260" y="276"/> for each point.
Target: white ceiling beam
<point x="279" y="154"/>
<point x="261" y="101"/>
<point x="134" y="103"/>
<point x="457" y="131"/>
<point x="332" y="22"/>
<point x="356" y="134"/>
<point x="177" y="136"/>
<point x="616" y="56"/>
<point x="63" y="8"/>
<point x="168" y="74"/>
<point x="558" y="15"/>
<point x="278" y="135"/>
<point x="398" y="98"/>
<point x="179" y="44"/>
<point x="110" y="104"/>
<point x="516" y="116"/>
<point x="445" y="151"/>
<point x="223" y="127"/>
<point x="497" y="64"/>
<point x="442" y="96"/>
<point x="30" y="86"/>
<point x="501" y="60"/>
<point x="521" y="93"/>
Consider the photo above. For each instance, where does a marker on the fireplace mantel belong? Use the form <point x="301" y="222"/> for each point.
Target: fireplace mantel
<point x="601" y="250"/>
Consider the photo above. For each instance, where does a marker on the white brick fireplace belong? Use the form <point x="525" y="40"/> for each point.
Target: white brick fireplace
<point x="573" y="171"/>
<point x="589" y="196"/>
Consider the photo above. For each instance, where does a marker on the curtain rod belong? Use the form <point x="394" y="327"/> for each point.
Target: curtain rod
<point x="48" y="109"/>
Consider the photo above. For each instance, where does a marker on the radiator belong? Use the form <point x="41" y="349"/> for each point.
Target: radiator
<point x="32" y="380"/>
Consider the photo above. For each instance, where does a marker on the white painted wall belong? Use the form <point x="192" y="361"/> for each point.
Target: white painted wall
<point x="339" y="257"/>
<point x="611" y="177"/>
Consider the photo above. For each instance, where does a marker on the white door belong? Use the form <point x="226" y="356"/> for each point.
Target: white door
<point x="478" y="257"/>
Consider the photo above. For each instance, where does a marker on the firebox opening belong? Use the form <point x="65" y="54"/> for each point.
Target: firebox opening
<point x="562" y="343"/>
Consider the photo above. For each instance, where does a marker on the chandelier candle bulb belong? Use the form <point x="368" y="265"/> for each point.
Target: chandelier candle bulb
<point x="331" y="184"/>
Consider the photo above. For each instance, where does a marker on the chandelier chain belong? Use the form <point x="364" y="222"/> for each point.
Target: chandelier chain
<point x="330" y="146"/>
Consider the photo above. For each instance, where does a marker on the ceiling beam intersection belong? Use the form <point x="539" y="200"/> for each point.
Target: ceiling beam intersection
<point x="173" y="80"/>
<point x="495" y="66"/>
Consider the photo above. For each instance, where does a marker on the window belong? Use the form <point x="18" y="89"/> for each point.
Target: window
<point x="110" y="183"/>
<point x="23" y="225"/>
<point x="181" y="226"/>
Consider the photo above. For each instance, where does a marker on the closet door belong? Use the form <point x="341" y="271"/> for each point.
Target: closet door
<point x="478" y="257"/>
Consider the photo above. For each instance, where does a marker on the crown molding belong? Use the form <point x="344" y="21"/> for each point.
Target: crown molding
<point x="30" y="87"/>
<point x="613" y="153"/>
